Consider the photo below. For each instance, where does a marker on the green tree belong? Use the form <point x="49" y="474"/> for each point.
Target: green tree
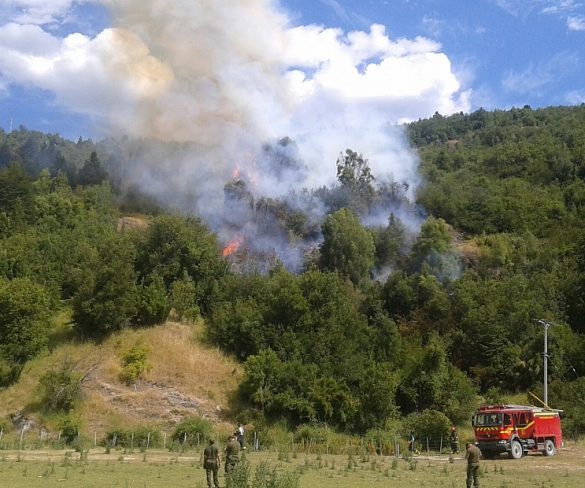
<point x="176" y="248"/>
<point x="355" y="176"/>
<point x="92" y="172"/>
<point x="107" y="297"/>
<point x="347" y="247"/>
<point x="25" y="310"/>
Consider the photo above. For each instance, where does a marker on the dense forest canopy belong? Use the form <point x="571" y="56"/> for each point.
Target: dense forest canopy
<point x="377" y="321"/>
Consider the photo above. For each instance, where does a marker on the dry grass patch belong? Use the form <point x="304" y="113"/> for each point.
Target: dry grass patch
<point x="185" y="378"/>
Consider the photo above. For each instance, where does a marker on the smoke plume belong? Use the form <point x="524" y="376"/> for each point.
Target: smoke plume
<point x="209" y="89"/>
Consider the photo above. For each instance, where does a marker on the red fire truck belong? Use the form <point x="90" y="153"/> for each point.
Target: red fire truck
<point x="517" y="429"/>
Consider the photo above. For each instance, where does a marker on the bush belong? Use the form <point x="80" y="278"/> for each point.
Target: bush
<point x="139" y="437"/>
<point x="429" y="423"/>
<point x="153" y="307"/>
<point x="310" y="433"/>
<point x="382" y="441"/>
<point x="273" y="477"/>
<point x="192" y="431"/>
<point x="8" y="372"/>
<point x="184" y="299"/>
<point x="60" y="389"/>
<point x="135" y="363"/>
<point x="69" y="429"/>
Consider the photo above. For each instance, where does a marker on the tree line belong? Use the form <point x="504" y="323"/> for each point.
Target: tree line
<point x="380" y="322"/>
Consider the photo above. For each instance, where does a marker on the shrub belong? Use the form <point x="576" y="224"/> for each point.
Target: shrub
<point x="60" y="389"/>
<point x="139" y="437"/>
<point x="310" y="433"/>
<point x="382" y="441"/>
<point x="69" y="429"/>
<point x="192" y="430"/>
<point x="273" y="477"/>
<point x="429" y="423"/>
<point x="135" y="363"/>
<point x="184" y="299"/>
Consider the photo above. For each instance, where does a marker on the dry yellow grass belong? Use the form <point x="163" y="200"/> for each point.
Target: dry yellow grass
<point x="185" y="378"/>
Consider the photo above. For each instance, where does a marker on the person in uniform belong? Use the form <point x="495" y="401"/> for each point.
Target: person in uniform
<point x="472" y="454"/>
<point x="211" y="464"/>
<point x="232" y="454"/>
<point x="454" y="438"/>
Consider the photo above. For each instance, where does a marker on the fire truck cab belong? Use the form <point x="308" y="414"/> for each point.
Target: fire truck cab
<point x="517" y="429"/>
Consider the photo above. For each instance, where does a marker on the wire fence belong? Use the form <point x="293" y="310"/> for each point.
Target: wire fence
<point x="142" y="440"/>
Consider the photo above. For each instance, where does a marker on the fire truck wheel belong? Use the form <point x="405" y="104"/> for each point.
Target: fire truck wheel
<point x="549" y="448"/>
<point x="516" y="450"/>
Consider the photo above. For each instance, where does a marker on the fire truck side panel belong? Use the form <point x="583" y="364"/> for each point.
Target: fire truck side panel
<point x="548" y="426"/>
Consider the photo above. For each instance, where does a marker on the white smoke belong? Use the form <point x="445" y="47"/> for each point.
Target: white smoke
<point x="219" y="80"/>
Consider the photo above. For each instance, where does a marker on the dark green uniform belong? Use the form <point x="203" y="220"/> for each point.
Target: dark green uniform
<point x="232" y="454"/>
<point x="472" y="455"/>
<point x="211" y="465"/>
<point x="454" y="441"/>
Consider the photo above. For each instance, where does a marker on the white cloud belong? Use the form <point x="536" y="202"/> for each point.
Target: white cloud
<point x="576" y="97"/>
<point x="38" y="12"/>
<point x="555" y="7"/>
<point x="549" y="7"/>
<point x="536" y="76"/>
<point x="92" y="76"/>
<point x="576" y="23"/>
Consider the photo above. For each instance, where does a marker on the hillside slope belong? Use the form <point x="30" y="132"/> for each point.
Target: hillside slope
<point x="185" y="378"/>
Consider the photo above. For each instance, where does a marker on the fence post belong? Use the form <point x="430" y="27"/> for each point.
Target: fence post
<point x="94" y="438"/>
<point x="148" y="441"/>
<point x="427" y="445"/>
<point x="185" y="438"/>
<point x="396" y="448"/>
<point x="132" y="441"/>
<point x="441" y="448"/>
<point x="165" y="440"/>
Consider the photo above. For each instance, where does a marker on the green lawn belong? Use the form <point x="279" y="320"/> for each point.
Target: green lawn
<point x="161" y="468"/>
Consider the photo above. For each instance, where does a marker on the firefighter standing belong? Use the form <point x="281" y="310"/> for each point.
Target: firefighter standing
<point x="472" y="454"/>
<point x="240" y="435"/>
<point x="454" y="438"/>
<point x="211" y="464"/>
<point x="232" y="455"/>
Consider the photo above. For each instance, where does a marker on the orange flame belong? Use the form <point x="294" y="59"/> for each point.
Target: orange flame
<point x="233" y="246"/>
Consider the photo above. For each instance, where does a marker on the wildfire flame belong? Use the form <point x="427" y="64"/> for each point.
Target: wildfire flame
<point x="233" y="246"/>
<point x="247" y="171"/>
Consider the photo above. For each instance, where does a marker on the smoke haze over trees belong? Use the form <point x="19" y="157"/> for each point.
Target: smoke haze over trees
<point x="376" y="319"/>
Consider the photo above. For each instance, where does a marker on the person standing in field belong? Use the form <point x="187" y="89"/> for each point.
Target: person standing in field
<point x="472" y="454"/>
<point x="211" y="464"/>
<point x="454" y="438"/>
<point x="240" y="435"/>
<point x="232" y="455"/>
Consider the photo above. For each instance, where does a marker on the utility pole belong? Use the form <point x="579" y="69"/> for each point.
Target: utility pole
<point x="546" y="325"/>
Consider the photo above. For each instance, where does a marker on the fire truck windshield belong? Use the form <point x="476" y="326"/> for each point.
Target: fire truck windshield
<point x="488" y="419"/>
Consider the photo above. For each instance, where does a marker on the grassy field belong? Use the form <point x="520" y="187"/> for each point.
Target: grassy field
<point x="155" y="468"/>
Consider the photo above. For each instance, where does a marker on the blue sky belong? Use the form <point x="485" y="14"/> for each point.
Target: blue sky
<point x="510" y="52"/>
<point x="56" y="58"/>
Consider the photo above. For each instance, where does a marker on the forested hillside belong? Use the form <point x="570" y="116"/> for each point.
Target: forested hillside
<point x="377" y="323"/>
